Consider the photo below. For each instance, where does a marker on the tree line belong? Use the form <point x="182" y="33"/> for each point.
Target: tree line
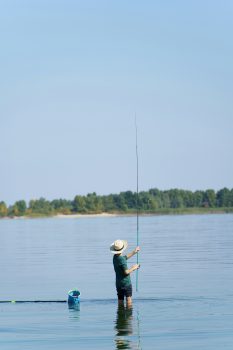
<point x="152" y="201"/>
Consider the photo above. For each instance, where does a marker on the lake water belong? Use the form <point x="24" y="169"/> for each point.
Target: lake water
<point x="185" y="296"/>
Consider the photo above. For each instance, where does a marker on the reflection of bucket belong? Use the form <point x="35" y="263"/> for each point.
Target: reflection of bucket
<point x="73" y="297"/>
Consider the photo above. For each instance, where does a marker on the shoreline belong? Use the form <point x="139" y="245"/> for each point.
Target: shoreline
<point x="70" y="216"/>
<point x="59" y="216"/>
<point x="127" y="214"/>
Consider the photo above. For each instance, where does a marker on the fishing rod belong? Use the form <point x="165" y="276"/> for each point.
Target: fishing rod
<point x="136" y="132"/>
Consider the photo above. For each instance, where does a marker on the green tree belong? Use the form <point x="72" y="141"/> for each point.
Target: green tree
<point x="145" y="201"/>
<point x="92" y="202"/>
<point x="224" y="198"/>
<point x="198" y="198"/>
<point x="62" y="206"/>
<point x="231" y="198"/>
<point x="120" y="202"/>
<point x="130" y="199"/>
<point x="40" y="206"/>
<point x="20" y="208"/>
<point x="157" y="200"/>
<point x="79" y="204"/>
<point x="155" y="192"/>
<point x="108" y="203"/>
<point x="188" y="199"/>
<point x="3" y="209"/>
<point x="176" y="198"/>
<point x="153" y="203"/>
<point x="165" y="200"/>
<point x="210" y="198"/>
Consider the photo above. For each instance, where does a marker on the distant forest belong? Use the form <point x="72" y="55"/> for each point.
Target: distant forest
<point x="151" y="202"/>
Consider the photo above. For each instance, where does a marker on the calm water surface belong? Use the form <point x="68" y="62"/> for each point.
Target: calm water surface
<point x="185" y="297"/>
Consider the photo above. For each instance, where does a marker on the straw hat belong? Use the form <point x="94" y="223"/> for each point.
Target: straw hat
<point x="118" y="246"/>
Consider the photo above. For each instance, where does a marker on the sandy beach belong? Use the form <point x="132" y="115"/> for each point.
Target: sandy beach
<point x="61" y="216"/>
<point x="84" y="215"/>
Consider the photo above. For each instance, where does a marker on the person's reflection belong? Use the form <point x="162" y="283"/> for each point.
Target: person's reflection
<point x="123" y="327"/>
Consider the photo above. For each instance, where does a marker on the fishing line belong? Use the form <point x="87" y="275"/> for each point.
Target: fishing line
<point x="32" y="301"/>
<point x="136" y="132"/>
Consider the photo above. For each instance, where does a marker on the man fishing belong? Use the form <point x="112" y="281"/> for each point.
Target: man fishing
<point x="123" y="281"/>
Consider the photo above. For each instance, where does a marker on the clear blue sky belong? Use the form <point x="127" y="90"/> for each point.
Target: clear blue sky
<point x="73" y="75"/>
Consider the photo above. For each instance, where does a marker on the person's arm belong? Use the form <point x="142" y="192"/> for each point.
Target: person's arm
<point x="133" y="253"/>
<point x="133" y="268"/>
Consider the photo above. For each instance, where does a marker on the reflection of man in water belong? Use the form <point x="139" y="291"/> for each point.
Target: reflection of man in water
<point x="124" y="327"/>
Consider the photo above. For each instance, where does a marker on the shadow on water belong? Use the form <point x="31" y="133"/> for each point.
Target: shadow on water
<point x="127" y="336"/>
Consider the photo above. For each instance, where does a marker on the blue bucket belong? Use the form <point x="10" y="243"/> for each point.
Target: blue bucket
<point x="73" y="297"/>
